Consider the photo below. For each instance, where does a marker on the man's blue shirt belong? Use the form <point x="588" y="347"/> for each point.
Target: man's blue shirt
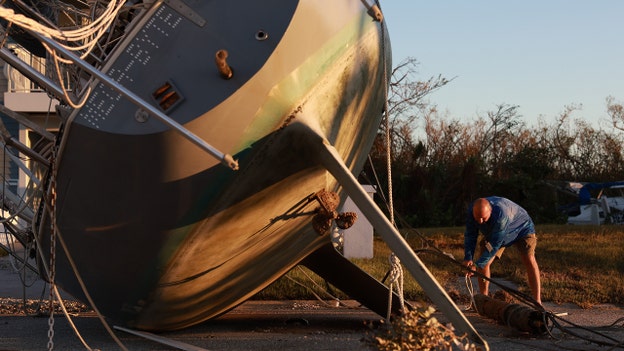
<point x="508" y="222"/>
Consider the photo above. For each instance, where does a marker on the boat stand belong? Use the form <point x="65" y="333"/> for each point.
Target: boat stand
<point x="332" y="161"/>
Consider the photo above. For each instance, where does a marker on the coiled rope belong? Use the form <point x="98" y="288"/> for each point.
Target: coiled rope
<point x="470" y="289"/>
<point x="396" y="270"/>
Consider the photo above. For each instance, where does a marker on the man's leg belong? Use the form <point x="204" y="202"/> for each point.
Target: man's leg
<point x="533" y="274"/>
<point x="484" y="284"/>
<point x="526" y="247"/>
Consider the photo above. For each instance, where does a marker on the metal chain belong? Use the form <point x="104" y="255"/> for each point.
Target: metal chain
<point x="52" y="269"/>
<point x="51" y="277"/>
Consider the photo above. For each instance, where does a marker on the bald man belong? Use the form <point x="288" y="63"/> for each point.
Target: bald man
<point x="503" y="223"/>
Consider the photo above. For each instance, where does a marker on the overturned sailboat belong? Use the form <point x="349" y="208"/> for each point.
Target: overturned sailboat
<point x="209" y="151"/>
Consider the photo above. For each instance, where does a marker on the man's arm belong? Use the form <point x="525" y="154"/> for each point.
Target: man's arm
<point x="495" y="241"/>
<point x="470" y="237"/>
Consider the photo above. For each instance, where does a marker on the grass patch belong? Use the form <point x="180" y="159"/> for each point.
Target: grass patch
<point x="583" y="265"/>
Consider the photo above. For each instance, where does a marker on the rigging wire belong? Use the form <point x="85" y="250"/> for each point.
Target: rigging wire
<point x="81" y="39"/>
<point x="322" y="289"/>
<point x="56" y="236"/>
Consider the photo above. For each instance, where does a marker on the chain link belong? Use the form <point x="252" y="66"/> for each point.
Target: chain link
<point x="52" y="268"/>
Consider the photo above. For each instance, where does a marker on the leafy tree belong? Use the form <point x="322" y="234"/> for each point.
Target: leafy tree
<point x="616" y="112"/>
<point x="439" y="164"/>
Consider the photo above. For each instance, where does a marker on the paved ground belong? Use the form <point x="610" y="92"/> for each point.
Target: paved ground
<point x="281" y="325"/>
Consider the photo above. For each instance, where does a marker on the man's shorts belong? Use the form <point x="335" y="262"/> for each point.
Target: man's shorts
<point x="525" y="245"/>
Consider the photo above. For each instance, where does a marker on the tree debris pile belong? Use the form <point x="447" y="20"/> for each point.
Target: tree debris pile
<point x="417" y="329"/>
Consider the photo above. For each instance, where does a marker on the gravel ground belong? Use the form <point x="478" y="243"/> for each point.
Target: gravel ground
<point x="294" y="325"/>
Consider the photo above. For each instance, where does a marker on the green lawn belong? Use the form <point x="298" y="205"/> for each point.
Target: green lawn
<point x="583" y="265"/>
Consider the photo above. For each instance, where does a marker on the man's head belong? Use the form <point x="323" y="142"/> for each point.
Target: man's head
<point x="481" y="210"/>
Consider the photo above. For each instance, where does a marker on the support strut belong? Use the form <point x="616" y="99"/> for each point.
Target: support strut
<point x="328" y="156"/>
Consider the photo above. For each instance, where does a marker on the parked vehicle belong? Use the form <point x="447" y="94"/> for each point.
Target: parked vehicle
<point x="598" y="203"/>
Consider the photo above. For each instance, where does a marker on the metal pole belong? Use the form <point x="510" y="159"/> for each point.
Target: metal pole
<point x="226" y="159"/>
<point x="23" y="120"/>
<point x="160" y="339"/>
<point x="31" y="73"/>
<point x="329" y="157"/>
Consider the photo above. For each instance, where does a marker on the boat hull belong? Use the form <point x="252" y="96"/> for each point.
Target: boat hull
<point x="163" y="235"/>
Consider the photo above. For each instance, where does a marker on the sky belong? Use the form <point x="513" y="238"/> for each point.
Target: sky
<point x="539" y="55"/>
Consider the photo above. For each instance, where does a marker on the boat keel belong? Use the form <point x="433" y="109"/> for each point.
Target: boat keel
<point x="351" y="279"/>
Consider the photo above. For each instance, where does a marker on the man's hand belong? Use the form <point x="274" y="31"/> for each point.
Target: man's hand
<point x="471" y="267"/>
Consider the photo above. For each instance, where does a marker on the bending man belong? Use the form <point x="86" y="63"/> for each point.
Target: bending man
<point x="503" y="223"/>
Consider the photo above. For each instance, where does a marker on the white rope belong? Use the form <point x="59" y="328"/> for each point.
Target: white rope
<point x="82" y="38"/>
<point x="59" y="75"/>
<point x="84" y="288"/>
<point x="396" y="270"/>
<point x="69" y="318"/>
<point x="470" y="289"/>
<point x="396" y="280"/>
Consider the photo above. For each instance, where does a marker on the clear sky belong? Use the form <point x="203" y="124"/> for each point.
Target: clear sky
<point x="540" y="55"/>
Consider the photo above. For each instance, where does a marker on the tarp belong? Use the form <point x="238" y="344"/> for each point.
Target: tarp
<point x="584" y="194"/>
